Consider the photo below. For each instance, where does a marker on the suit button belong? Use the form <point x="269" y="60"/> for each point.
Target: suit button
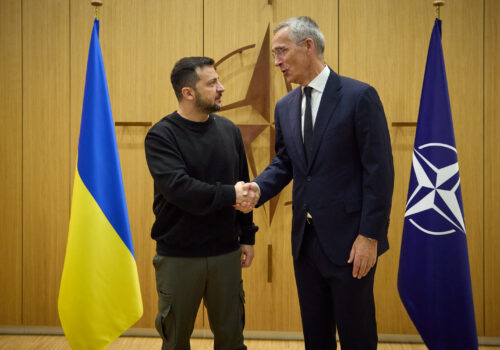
<point x="308" y="178"/>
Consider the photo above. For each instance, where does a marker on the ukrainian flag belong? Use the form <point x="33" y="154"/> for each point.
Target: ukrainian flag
<point x="99" y="296"/>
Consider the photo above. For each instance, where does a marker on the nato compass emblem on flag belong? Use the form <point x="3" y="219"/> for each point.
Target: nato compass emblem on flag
<point x="435" y="201"/>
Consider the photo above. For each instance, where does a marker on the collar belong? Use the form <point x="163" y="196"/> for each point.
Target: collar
<point x="320" y="81"/>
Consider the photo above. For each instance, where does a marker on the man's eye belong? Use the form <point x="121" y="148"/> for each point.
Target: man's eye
<point x="279" y="52"/>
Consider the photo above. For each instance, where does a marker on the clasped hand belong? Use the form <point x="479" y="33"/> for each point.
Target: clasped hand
<point x="247" y="196"/>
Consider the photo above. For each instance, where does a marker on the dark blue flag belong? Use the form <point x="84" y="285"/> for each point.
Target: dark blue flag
<point x="434" y="277"/>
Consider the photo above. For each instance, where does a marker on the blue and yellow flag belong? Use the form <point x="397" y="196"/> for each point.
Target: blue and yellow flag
<point x="99" y="297"/>
<point x="434" y="278"/>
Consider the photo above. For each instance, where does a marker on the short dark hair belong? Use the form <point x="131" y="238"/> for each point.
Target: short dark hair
<point x="184" y="73"/>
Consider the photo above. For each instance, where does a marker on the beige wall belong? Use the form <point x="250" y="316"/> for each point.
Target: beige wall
<point x="491" y="169"/>
<point x="43" y="53"/>
<point x="11" y="168"/>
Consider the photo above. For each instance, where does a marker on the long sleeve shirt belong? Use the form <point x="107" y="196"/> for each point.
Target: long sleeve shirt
<point x="194" y="166"/>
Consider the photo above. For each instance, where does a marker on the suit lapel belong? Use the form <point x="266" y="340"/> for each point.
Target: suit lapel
<point x="296" y="124"/>
<point x="329" y="100"/>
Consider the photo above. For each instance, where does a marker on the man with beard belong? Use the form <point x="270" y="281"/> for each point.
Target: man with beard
<point x="195" y="158"/>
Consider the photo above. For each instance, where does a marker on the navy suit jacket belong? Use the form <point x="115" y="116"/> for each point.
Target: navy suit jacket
<point x="347" y="186"/>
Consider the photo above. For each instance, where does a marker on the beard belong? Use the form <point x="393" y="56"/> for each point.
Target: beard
<point x="206" y="106"/>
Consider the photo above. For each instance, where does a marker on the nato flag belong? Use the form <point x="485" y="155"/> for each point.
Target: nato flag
<point x="434" y="277"/>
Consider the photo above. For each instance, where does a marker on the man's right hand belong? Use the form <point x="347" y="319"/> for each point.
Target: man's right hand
<point x="247" y="196"/>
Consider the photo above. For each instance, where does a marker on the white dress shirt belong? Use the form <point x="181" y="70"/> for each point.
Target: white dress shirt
<point x="318" y="86"/>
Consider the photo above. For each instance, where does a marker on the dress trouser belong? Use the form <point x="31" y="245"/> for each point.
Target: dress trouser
<point x="181" y="284"/>
<point x="331" y="298"/>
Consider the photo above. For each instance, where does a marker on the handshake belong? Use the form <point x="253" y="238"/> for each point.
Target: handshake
<point x="247" y="196"/>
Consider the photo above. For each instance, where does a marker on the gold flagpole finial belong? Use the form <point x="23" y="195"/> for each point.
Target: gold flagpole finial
<point x="438" y="4"/>
<point x="97" y="4"/>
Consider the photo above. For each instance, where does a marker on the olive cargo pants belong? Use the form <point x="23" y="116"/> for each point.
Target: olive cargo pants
<point x="182" y="282"/>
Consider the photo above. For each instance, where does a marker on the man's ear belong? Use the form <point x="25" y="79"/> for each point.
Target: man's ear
<point x="309" y="43"/>
<point x="187" y="93"/>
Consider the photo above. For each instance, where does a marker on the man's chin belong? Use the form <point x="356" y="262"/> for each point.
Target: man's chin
<point x="288" y="78"/>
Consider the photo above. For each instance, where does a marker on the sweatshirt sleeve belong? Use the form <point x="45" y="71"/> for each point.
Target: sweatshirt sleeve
<point x="248" y="228"/>
<point x="169" y="173"/>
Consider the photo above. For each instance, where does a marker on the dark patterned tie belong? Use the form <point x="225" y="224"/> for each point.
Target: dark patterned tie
<point x="308" y="124"/>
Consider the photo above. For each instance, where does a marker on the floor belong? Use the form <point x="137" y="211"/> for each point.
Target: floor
<point x="39" y="342"/>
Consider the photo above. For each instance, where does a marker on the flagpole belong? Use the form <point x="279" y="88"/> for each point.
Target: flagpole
<point x="438" y="4"/>
<point x="97" y="4"/>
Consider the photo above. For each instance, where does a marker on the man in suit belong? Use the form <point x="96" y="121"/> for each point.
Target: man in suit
<point x="332" y="140"/>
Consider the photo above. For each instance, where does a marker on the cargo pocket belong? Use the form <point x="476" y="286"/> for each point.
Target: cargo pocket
<point x="165" y="320"/>
<point x="242" y="306"/>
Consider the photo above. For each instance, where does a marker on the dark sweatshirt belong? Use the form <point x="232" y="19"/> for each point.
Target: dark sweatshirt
<point x="194" y="168"/>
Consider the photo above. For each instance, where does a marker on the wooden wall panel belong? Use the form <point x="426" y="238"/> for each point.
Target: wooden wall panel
<point x="46" y="172"/>
<point x="140" y="42"/>
<point x="463" y="40"/>
<point x="388" y="51"/>
<point x="387" y="47"/>
<point x="246" y="23"/>
<point x="11" y="163"/>
<point x="492" y="168"/>
<point x="325" y="14"/>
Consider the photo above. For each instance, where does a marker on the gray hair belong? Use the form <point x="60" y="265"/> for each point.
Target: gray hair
<point x="304" y="27"/>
